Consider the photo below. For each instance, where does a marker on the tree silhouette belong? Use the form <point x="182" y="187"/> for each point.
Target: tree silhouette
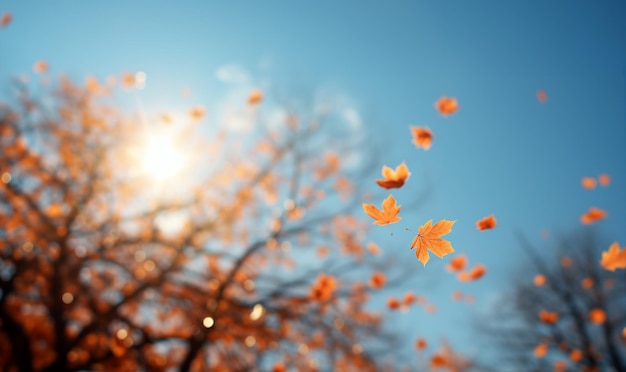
<point x="241" y="251"/>
<point x="566" y="313"/>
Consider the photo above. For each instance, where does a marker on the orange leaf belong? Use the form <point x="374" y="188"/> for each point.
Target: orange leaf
<point x="566" y="261"/>
<point x="588" y="183"/>
<point x="393" y="303"/>
<point x="457" y="263"/>
<point x="541" y="350"/>
<point x="576" y="355"/>
<point x="378" y="280"/>
<point x="197" y="113"/>
<point x="394" y="178"/>
<point x="597" y="316"/>
<point x="428" y="238"/>
<point x="420" y="344"/>
<point x="457" y="295"/>
<point x="614" y="258"/>
<point x="40" y="67"/>
<point x="255" y="97"/>
<point x="539" y="280"/>
<point x="476" y="273"/>
<point x="542" y="96"/>
<point x="422" y="137"/>
<point x="488" y="222"/>
<point x="587" y="283"/>
<point x="389" y="213"/>
<point x="604" y="179"/>
<point x="593" y="215"/>
<point x="447" y="105"/>
<point x="6" y="19"/>
<point x="548" y="317"/>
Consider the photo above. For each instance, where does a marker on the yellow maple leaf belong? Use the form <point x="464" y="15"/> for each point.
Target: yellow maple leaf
<point x="429" y="238"/>
<point x="389" y="213"/>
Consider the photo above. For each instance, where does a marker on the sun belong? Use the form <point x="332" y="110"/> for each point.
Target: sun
<point x="161" y="159"/>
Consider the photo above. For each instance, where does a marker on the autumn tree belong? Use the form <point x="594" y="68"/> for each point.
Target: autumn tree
<point x="566" y="312"/>
<point x="156" y="241"/>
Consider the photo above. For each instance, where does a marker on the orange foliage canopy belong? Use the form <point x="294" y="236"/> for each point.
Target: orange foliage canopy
<point x="447" y="105"/>
<point x="389" y="213"/>
<point x="593" y="215"/>
<point x="394" y="178"/>
<point x="429" y="238"/>
<point x="422" y="137"/>
<point x="488" y="222"/>
<point x="614" y="258"/>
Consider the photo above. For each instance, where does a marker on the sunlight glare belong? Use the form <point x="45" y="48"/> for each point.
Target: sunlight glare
<point x="161" y="159"/>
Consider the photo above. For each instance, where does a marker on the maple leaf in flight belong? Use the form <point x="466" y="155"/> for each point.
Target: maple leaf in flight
<point x="447" y="105"/>
<point x="255" y="97"/>
<point x="389" y="213"/>
<point x="429" y="238"/>
<point x="542" y="96"/>
<point x="477" y="272"/>
<point x="394" y="178"/>
<point x="588" y="183"/>
<point x="457" y="263"/>
<point x="6" y="19"/>
<point x="604" y="179"/>
<point x="488" y="222"/>
<point x="422" y="137"/>
<point x="614" y="258"/>
<point x="593" y="215"/>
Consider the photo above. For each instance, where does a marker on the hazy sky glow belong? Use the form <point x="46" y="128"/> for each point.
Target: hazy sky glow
<point x="385" y="65"/>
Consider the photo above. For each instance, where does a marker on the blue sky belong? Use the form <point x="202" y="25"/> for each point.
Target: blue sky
<point x="502" y="153"/>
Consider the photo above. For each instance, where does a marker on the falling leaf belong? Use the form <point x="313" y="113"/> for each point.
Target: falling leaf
<point x="197" y="113"/>
<point x="588" y="183"/>
<point x="420" y="344"/>
<point x="40" y="67"/>
<point x="614" y="258"/>
<point x="255" y="97"/>
<point x="457" y="295"/>
<point x="373" y="248"/>
<point x="539" y="280"/>
<point x="476" y="273"/>
<point x="488" y="222"/>
<point x="447" y="105"/>
<point x="542" y="96"/>
<point x="6" y="19"/>
<point x="548" y="317"/>
<point x="593" y="215"/>
<point x="389" y="213"/>
<point x="422" y="137"/>
<point x="597" y="316"/>
<point x="409" y="299"/>
<point x="428" y="238"/>
<point x="394" y="178"/>
<point x="457" y="263"/>
<point x="128" y="80"/>
<point x="604" y="179"/>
